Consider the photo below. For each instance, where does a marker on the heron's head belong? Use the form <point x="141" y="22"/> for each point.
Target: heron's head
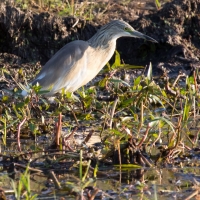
<point x="118" y="28"/>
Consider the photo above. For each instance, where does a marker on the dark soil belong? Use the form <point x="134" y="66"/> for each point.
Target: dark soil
<point x="176" y="27"/>
<point x="31" y="37"/>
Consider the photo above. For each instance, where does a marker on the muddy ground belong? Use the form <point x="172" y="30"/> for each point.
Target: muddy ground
<point x="29" y="37"/>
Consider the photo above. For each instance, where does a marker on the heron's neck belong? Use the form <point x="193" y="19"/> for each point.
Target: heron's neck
<point x="102" y="40"/>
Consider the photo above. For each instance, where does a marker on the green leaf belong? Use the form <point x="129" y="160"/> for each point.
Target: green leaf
<point x="156" y="121"/>
<point x="37" y="88"/>
<point x="108" y="65"/>
<point x="128" y="166"/>
<point x="117" y="59"/>
<point x="47" y="105"/>
<point x="119" y="81"/>
<point x="20" y="105"/>
<point x="128" y="102"/>
<point x="137" y="81"/>
<point x="5" y="99"/>
<point x="102" y="83"/>
<point x="156" y="99"/>
<point x="87" y="101"/>
<point x="126" y="66"/>
<point x="186" y="110"/>
<point x="20" y="72"/>
<point x="116" y="132"/>
<point x="155" y="135"/>
<point x="157" y="4"/>
<point x="27" y="100"/>
<point x="69" y="95"/>
<point x="41" y="92"/>
<point x="32" y="127"/>
<point x="191" y="80"/>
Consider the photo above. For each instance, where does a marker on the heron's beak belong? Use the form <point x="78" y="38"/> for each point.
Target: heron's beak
<point x="141" y="35"/>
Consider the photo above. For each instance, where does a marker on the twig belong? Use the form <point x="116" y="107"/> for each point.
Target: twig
<point x="55" y="180"/>
<point x="71" y="134"/>
<point x="72" y="110"/>
<point x="91" y="196"/>
<point x="178" y="77"/>
<point x="173" y="92"/>
<point x="195" y="80"/>
<point x="142" y="117"/>
<point x="104" y="123"/>
<point x="145" y="160"/>
<point x="119" y="153"/>
<point x="159" y="135"/>
<point x="195" y="193"/>
<point x="144" y="138"/>
<point x="88" y="136"/>
<point x="178" y="131"/>
<point x="75" y="23"/>
<point x="58" y="129"/>
<point x="29" y="168"/>
<point x="196" y="89"/>
<point x="18" y="134"/>
<point x="67" y="138"/>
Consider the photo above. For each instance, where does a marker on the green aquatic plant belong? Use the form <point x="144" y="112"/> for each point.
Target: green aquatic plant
<point x="22" y="188"/>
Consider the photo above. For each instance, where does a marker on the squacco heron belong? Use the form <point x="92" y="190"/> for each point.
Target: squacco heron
<point x="78" y="62"/>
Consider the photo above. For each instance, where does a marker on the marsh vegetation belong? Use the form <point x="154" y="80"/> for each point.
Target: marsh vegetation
<point x="130" y="133"/>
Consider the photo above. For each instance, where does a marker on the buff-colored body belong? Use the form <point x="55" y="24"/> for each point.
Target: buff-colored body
<point x="79" y="62"/>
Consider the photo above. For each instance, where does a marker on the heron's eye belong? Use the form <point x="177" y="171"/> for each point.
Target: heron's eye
<point x="127" y="29"/>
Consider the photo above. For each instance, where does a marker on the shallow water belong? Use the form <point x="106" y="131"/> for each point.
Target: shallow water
<point x="162" y="184"/>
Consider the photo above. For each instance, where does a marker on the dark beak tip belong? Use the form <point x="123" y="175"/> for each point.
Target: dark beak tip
<point x="155" y="41"/>
<point x="152" y="40"/>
